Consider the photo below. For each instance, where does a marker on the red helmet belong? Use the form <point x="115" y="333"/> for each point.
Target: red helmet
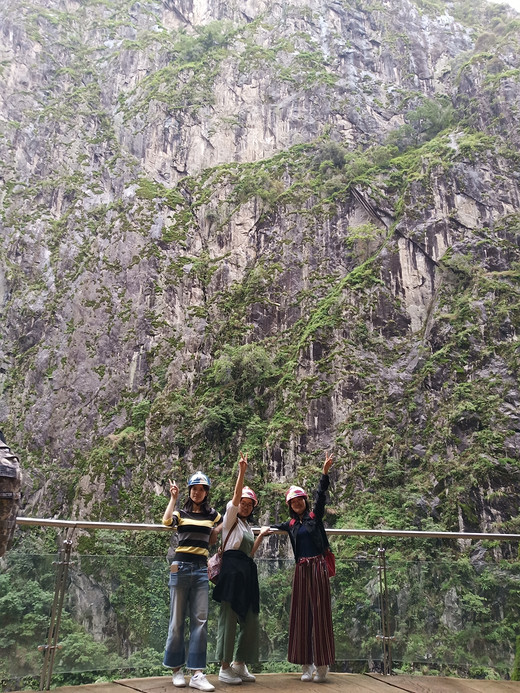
<point x="294" y="492"/>
<point x="249" y="493"/>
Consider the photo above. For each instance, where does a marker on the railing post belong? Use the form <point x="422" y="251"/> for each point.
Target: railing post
<point x="386" y="637"/>
<point x="60" y="588"/>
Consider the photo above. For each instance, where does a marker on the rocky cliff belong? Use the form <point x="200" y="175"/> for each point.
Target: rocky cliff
<point x="282" y="227"/>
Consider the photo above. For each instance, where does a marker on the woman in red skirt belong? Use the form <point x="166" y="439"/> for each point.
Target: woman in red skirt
<point x="311" y="638"/>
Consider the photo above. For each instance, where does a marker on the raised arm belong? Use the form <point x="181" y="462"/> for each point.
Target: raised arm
<point x="242" y="466"/>
<point x="321" y="492"/>
<point x="168" y="513"/>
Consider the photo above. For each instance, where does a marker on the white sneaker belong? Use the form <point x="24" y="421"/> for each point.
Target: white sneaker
<point x="178" y="679"/>
<point x="308" y="670"/>
<point x="200" y="681"/>
<point x="229" y="676"/>
<point x="243" y="672"/>
<point x="321" y="674"/>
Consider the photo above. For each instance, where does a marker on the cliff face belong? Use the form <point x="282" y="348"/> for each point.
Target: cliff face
<point x="270" y="226"/>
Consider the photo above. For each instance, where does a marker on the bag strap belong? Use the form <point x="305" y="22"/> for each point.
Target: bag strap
<point x="222" y="548"/>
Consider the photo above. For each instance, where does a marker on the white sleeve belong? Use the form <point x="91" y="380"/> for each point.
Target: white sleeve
<point x="230" y="517"/>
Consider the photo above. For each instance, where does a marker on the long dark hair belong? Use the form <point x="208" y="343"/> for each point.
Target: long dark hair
<point x="294" y="515"/>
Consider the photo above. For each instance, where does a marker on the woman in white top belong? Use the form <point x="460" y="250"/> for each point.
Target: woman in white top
<point x="237" y="587"/>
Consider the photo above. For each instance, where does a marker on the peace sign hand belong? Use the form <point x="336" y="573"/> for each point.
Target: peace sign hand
<point x="242" y="462"/>
<point x="174" y="489"/>
<point x="328" y="463"/>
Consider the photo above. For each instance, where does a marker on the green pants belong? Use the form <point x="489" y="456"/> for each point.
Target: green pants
<point x="247" y="644"/>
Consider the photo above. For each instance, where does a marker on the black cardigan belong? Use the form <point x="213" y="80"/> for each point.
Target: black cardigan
<point x="238" y="583"/>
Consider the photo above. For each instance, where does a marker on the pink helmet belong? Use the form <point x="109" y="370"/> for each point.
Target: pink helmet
<point x="294" y="492"/>
<point x="249" y="493"/>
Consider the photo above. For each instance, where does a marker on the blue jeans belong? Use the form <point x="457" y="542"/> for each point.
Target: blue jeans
<point x="188" y="596"/>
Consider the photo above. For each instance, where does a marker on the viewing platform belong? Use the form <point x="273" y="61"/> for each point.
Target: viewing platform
<point x="290" y="683"/>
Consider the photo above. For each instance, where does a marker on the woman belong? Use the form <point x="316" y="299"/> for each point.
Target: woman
<point x="237" y="587"/>
<point x="311" y="638"/>
<point x="195" y="525"/>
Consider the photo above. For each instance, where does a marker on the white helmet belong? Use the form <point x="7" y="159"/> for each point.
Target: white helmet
<point x="199" y="478"/>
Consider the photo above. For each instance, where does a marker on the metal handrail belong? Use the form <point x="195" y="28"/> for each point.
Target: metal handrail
<point x="412" y="533"/>
<point x="84" y="524"/>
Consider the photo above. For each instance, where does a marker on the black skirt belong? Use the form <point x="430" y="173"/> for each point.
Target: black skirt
<point x="238" y="583"/>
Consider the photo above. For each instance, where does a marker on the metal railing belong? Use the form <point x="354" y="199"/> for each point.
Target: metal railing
<point x="350" y="532"/>
<point x="386" y="635"/>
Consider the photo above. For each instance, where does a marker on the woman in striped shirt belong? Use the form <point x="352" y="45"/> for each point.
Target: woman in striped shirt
<point x="189" y="587"/>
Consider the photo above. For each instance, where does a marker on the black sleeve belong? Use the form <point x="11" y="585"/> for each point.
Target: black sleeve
<point x="321" y="497"/>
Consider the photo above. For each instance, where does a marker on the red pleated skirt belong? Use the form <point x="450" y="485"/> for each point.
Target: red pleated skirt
<point x="311" y="638"/>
